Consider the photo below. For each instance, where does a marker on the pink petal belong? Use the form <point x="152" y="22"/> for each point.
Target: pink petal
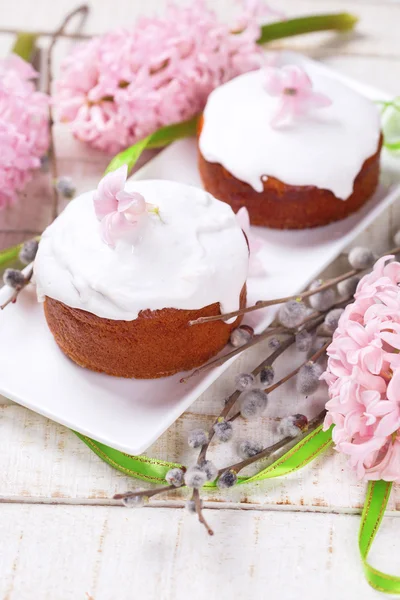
<point x="388" y="424"/>
<point x="393" y="390"/>
<point x="393" y="339"/>
<point x="115" y="226"/>
<point x="318" y="100"/>
<point x="372" y="359"/>
<point x="273" y="81"/>
<point x="131" y="202"/>
<point x="104" y="198"/>
<point x="285" y="110"/>
<point x="20" y="66"/>
<point x="297" y="77"/>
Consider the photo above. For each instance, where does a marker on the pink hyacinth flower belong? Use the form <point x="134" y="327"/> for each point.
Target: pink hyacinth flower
<point x="363" y="376"/>
<point x="118" y="211"/>
<point x="294" y="88"/>
<point x="119" y="87"/>
<point x="24" y="127"/>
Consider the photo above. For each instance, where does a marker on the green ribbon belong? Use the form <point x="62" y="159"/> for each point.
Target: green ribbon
<point x="374" y="508"/>
<point x="310" y="447"/>
<point x="154" y="470"/>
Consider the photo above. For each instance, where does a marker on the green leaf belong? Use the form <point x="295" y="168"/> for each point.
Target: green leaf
<point x="25" y="45"/>
<point x="158" y="139"/>
<point x="309" y="24"/>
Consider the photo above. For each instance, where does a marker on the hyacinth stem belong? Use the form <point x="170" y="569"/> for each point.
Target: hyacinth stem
<point x="9" y="255"/>
<point x="160" y="138"/>
<point x="308" y="24"/>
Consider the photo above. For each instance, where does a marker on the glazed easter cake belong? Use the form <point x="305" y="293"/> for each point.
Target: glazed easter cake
<point x="297" y="149"/>
<point x="124" y="269"/>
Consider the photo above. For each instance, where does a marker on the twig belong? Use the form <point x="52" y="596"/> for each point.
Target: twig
<point x="223" y="359"/>
<point x="306" y="294"/>
<point x="284" y="444"/>
<point x="235" y="395"/>
<point x="216" y="362"/>
<point x="199" y="510"/>
<point x="273" y="387"/>
<point x="13" y="298"/>
<point x="146" y="493"/>
<point x="313" y="358"/>
<point x="82" y="10"/>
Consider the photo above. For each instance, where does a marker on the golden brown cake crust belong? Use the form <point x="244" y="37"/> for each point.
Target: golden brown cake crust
<point x="283" y="206"/>
<point x="156" y="344"/>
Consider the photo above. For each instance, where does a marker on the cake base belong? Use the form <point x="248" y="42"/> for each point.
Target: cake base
<point x="156" y="344"/>
<point x="282" y="206"/>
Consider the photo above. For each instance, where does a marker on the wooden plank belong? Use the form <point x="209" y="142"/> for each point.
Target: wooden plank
<point x="41" y="461"/>
<point x="105" y="553"/>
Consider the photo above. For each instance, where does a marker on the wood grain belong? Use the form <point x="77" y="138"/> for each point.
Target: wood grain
<point x="108" y="553"/>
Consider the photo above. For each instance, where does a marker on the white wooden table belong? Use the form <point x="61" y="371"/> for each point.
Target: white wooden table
<point x="62" y="538"/>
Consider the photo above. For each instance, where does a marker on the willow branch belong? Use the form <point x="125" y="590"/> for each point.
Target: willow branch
<point x="145" y="493"/>
<point x="285" y="444"/>
<point x="216" y="362"/>
<point x="82" y="10"/>
<point x="266" y="303"/>
<point x="223" y="359"/>
<point x="302" y="296"/>
<point x="199" y="510"/>
<point x="316" y="356"/>
<point x="313" y="358"/>
<point x="13" y="298"/>
<point x="267" y="362"/>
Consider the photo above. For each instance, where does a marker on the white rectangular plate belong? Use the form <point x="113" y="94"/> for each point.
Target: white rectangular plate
<point x="130" y="415"/>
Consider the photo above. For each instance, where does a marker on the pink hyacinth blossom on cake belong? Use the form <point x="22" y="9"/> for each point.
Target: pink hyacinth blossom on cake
<point x="294" y="88"/>
<point x="363" y="376"/>
<point x="122" y="86"/>
<point x="24" y="131"/>
<point x="120" y="212"/>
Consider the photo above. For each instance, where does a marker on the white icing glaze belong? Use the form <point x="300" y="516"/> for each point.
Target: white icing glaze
<point x="195" y="256"/>
<point x="325" y="149"/>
